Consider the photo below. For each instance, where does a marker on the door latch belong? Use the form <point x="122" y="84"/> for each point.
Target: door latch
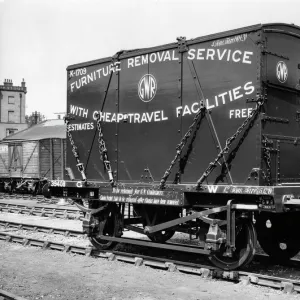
<point x="298" y="116"/>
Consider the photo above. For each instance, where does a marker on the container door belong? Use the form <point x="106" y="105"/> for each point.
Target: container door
<point x="30" y="160"/>
<point x="4" y="172"/>
<point x="45" y="170"/>
<point x="15" y="160"/>
<point x="58" y="155"/>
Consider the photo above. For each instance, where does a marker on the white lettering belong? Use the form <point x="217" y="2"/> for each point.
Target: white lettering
<point x="178" y="111"/>
<point x="191" y="54"/>
<point x="246" y="57"/>
<point x="249" y="89"/>
<point x="212" y="188"/>
<point x="233" y="56"/>
<point x="130" y="62"/>
<point x="236" y="93"/>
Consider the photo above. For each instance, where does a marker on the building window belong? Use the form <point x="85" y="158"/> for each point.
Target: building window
<point x="11" y="100"/>
<point x="11" y="116"/>
<point x="10" y="131"/>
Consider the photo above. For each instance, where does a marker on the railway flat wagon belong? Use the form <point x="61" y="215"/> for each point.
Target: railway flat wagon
<point x="199" y="136"/>
<point x="31" y="157"/>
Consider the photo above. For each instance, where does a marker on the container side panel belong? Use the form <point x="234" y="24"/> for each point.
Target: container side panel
<point x="15" y="153"/>
<point x="86" y="94"/>
<point x="228" y="76"/>
<point x="148" y="94"/>
<point x="44" y="152"/>
<point x="57" y="159"/>
<point x="152" y="102"/>
<point x="30" y="159"/>
<point x="4" y="161"/>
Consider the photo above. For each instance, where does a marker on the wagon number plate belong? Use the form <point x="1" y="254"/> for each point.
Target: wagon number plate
<point x="59" y="183"/>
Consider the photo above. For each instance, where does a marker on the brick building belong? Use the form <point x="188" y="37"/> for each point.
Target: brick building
<point x="12" y="108"/>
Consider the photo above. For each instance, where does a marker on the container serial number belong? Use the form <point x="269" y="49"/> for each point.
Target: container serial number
<point x="59" y="183"/>
<point x="78" y="72"/>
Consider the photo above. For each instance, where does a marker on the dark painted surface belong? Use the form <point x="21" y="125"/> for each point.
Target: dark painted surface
<point x="282" y="69"/>
<point x="229" y="71"/>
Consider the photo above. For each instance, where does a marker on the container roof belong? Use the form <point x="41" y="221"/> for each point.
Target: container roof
<point x="131" y="53"/>
<point x="44" y="130"/>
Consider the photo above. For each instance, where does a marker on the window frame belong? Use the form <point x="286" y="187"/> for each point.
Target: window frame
<point x="11" y="97"/>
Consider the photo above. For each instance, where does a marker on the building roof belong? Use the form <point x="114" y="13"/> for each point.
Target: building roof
<point x="44" y="130"/>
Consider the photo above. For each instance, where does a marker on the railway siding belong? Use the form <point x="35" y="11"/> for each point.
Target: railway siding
<point x="285" y="285"/>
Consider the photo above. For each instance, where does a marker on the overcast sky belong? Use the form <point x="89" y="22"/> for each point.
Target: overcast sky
<point x="40" y="38"/>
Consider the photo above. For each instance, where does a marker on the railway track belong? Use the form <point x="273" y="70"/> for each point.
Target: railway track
<point x="28" y="197"/>
<point x="42" y="211"/>
<point x="204" y="270"/>
<point x="4" y="295"/>
<point x="45" y="229"/>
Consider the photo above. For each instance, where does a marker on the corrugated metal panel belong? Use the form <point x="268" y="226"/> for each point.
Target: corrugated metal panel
<point x="30" y="159"/>
<point x="4" y="160"/>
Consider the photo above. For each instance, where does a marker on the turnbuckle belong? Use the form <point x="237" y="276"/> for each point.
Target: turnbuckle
<point x="80" y="167"/>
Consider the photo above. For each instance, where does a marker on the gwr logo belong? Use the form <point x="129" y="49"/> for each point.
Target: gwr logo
<point x="147" y="88"/>
<point x="281" y="71"/>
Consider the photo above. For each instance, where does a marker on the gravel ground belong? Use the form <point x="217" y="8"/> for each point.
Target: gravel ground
<point x="84" y="242"/>
<point x="43" y="274"/>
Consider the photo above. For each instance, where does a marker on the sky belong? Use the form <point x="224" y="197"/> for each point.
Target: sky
<point x="40" y="38"/>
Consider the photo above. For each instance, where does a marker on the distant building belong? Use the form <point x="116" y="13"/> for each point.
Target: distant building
<point x="12" y="108"/>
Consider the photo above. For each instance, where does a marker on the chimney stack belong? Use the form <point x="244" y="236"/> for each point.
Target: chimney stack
<point x="23" y="83"/>
<point x="8" y="82"/>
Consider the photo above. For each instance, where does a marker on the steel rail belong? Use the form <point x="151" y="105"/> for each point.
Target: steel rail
<point x="261" y="258"/>
<point x="9" y="296"/>
<point x="39" y="228"/>
<point x="27" y="196"/>
<point x="42" y="211"/>
<point x="206" y="271"/>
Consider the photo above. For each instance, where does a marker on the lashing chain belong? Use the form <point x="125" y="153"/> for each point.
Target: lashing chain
<point x="267" y="158"/>
<point x="197" y="119"/>
<point x="229" y="141"/>
<point x="233" y="153"/>
<point x="103" y="151"/>
<point x="79" y="164"/>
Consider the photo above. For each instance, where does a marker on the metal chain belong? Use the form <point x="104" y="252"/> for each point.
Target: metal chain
<point x="229" y="141"/>
<point x="198" y="117"/>
<point x="184" y="160"/>
<point x="79" y="164"/>
<point x="103" y="151"/>
<point x="233" y="153"/>
<point x="267" y="158"/>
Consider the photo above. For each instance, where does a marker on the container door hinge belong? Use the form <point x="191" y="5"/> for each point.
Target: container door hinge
<point x="298" y="116"/>
<point x="275" y="119"/>
<point x="275" y="54"/>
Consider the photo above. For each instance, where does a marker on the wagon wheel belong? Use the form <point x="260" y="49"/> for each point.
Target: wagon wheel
<point x="245" y="243"/>
<point x="36" y="189"/>
<point x="153" y="216"/>
<point x="46" y="190"/>
<point x="109" y="223"/>
<point x="277" y="234"/>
